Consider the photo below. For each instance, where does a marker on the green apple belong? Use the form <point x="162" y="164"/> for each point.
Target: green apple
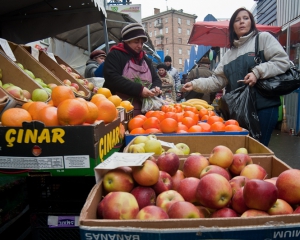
<point x="20" y="65"/>
<point x="176" y="151"/>
<point x="29" y="73"/>
<point x="140" y="139"/>
<point x="242" y="150"/>
<point x="48" y="90"/>
<point x="39" y="95"/>
<point x="153" y="145"/>
<point x="152" y="136"/>
<point x="0" y="83"/>
<point x="184" y="148"/>
<point x="137" y="148"/>
<point x="6" y="85"/>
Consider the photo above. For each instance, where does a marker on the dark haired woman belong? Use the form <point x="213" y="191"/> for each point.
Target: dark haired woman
<point x="238" y="64"/>
<point x="168" y="84"/>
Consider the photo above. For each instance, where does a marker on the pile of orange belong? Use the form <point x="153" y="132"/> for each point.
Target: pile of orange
<point x="178" y="119"/>
<point x="64" y="109"/>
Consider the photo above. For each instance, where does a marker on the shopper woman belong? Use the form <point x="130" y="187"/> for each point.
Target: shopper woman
<point x="128" y="72"/>
<point x="168" y="84"/>
<point x="238" y="64"/>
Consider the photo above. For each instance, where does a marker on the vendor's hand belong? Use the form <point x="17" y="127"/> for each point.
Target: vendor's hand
<point x="147" y="93"/>
<point x="156" y="91"/>
<point x="187" y="87"/>
<point x="250" y="79"/>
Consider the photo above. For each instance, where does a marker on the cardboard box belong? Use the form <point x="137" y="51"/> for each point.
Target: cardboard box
<point x="205" y="144"/>
<point x="58" y="71"/>
<point x="11" y="73"/>
<point x="4" y="100"/>
<point x="60" y="61"/>
<point x="59" y="150"/>
<point x="31" y="64"/>
<point x="272" y="227"/>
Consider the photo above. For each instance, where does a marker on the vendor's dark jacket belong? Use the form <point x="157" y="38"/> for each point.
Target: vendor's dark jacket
<point x="113" y="69"/>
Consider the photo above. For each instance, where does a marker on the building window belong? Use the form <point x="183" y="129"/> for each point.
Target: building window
<point x="157" y="21"/>
<point x="188" y="32"/>
<point x="150" y="34"/>
<point x="179" y="20"/>
<point x="160" y="31"/>
<point x="167" y="52"/>
<point x="167" y="30"/>
<point x="188" y="52"/>
<point x="166" y="40"/>
<point x="155" y="33"/>
<point x="179" y="30"/>
<point x="188" y="22"/>
<point x="150" y="24"/>
<point x="180" y="61"/>
<point x="166" y="20"/>
<point x="180" y="40"/>
<point x="179" y="50"/>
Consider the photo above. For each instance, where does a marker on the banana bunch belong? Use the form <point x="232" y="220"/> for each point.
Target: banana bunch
<point x="198" y="103"/>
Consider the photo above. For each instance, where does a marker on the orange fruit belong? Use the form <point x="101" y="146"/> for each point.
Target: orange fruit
<point x="34" y="109"/>
<point x="152" y="131"/>
<point x="26" y="105"/>
<point x="14" y="117"/>
<point x="188" y="121"/>
<point x="171" y="115"/>
<point x="179" y="116"/>
<point x="115" y="99"/>
<point x="205" y="126"/>
<point x="158" y="114"/>
<point x="105" y="91"/>
<point x="72" y="112"/>
<point x="141" y="116"/>
<point x="181" y="131"/>
<point x="127" y="105"/>
<point x="151" y="122"/>
<point x="148" y="113"/>
<point x="93" y="112"/>
<point x="213" y="119"/>
<point x="218" y="127"/>
<point x="61" y="93"/>
<point x="190" y="108"/>
<point x="232" y="122"/>
<point x="48" y="116"/>
<point x="192" y="115"/>
<point x="202" y="112"/>
<point x="96" y="98"/>
<point x="107" y="111"/>
<point x="233" y="128"/>
<point x="211" y="113"/>
<point x="182" y="127"/>
<point x="168" y="125"/>
<point x="195" y="128"/>
<point x="135" y="122"/>
<point x="204" y="118"/>
<point x="50" y="102"/>
<point x="138" y="130"/>
<point x="164" y="108"/>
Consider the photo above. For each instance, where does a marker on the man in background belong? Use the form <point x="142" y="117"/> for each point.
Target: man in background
<point x="174" y="73"/>
<point x="202" y="70"/>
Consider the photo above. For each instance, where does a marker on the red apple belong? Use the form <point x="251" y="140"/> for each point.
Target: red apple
<point x="184" y="210"/>
<point x="288" y="185"/>
<point x="215" y="169"/>
<point x="164" y="183"/>
<point x="75" y="85"/>
<point x="168" y="162"/>
<point x="193" y="165"/>
<point x="100" y="210"/>
<point x="297" y="210"/>
<point x="15" y="91"/>
<point x="204" y="211"/>
<point x="119" y="205"/>
<point x="67" y="82"/>
<point x="118" y="180"/>
<point x="240" y="160"/>
<point x="254" y="171"/>
<point x="254" y="213"/>
<point x="214" y="191"/>
<point x="147" y="174"/>
<point x="145" y="196"/>
<point x="51" y="85"/>
<point x="237" y="182"/>
<point x="152" y="158"/>
<point x="224" y="213"/>
<point x="238" y="203"/>
<point x="151" y="213"/>
<point x="176" y="178"/>
<point x="167" y="198"/>
<point x="187" y="188"/>
<point x="259" y="194"/>
<point x="26" y="94"/>
<point x="81" y="93"/>
<point x="272" y="180"/>
<point x="280" y="207"/>
<point x="221" y="156"/>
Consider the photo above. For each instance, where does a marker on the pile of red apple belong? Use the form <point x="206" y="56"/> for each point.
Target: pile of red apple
<point x="224" y="184"/>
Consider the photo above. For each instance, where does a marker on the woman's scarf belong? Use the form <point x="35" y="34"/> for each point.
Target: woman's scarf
<point x="136" y="58"/>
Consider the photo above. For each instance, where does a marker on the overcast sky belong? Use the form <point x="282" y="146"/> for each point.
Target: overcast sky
<point x="218" y="8"/>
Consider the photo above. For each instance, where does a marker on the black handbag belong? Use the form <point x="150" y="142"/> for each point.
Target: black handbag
<point x="279" y="85"/>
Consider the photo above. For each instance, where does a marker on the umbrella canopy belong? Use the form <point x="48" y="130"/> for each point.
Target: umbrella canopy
<point x="216" y="34"/>
<point x="193" y="57"/>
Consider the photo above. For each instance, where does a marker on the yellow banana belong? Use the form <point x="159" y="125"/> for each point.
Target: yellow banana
<point x="196" y="100"/>
<point x="187" y="104"/>
<point x="198" y="106"/>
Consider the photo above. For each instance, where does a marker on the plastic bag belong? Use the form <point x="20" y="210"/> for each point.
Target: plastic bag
<point x="240" y="105"/>
<point x="152" y="103"/>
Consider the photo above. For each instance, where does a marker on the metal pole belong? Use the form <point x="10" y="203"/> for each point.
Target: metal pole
<point x="105" y="33"/>
<point x="89" y="38"/>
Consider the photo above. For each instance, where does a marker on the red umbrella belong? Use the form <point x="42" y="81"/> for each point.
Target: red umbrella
<point x="216" y="34"/>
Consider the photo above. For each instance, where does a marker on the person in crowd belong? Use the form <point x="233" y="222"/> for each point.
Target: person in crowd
<point x="238" y="64"/>
<point x="174" y="73"/>
<point x="128" y="72"/>
<point x="184" y="78"/>
<point x="201" y="70"/>
<point x="97" y="58"/>
<point x="168" y="84"/>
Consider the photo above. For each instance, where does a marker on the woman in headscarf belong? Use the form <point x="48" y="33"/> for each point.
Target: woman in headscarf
<point x="128" y="72"/>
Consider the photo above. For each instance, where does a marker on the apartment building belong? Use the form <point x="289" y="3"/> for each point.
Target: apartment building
<point x="169" y="32"/>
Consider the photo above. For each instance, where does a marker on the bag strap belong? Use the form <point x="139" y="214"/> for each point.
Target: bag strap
<point x="257" y="58"/>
